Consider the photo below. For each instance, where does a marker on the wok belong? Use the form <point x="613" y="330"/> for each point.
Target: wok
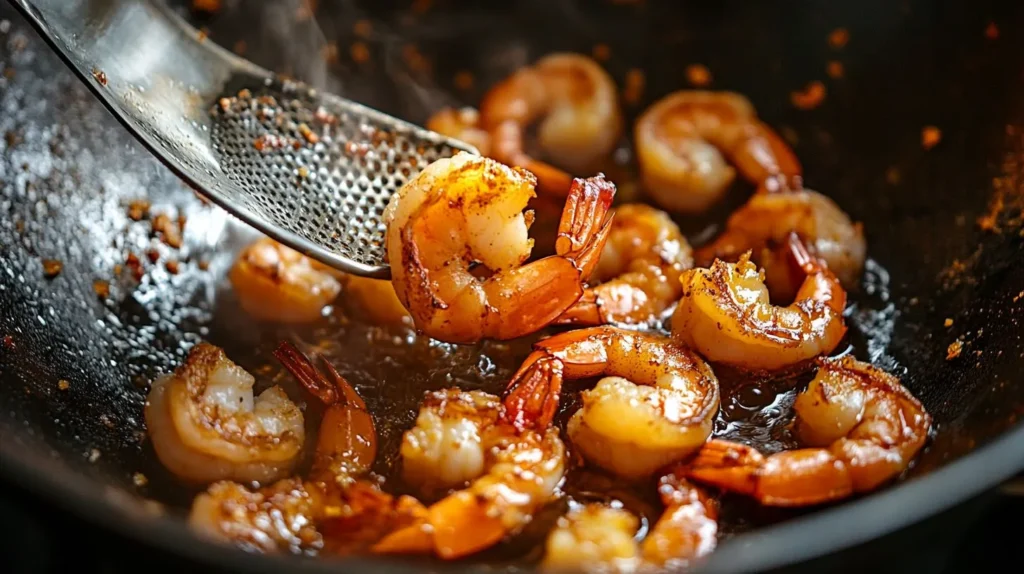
<point x="68" y="170"/>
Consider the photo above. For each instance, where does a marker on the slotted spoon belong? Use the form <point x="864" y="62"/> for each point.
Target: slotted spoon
<point x="312" y="170"/>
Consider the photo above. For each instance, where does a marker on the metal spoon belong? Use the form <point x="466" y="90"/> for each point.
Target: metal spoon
<point x="312" y="170"/>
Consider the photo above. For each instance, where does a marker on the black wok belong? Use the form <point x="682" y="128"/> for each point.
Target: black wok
<point x="68" y="170"/>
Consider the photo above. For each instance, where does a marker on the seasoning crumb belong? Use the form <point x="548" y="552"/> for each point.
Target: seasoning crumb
<point x="835" y="70"/>
<point x="360" y="52"/>
<point x="138" y="209"/>
<point x="168" y="230"/>
<point x="308" y="134"/>
<point x="8" y="342"/>
<point x="810" y="97"/>
<point x="698" y="75"/>
<point x="173" y="267"/>
<point x="303" y="172"/>
<point x="139" y="479"/>
<point x="63" y="385"/>
<point x="947" y="323"/>
<point x="838" y="38"/>
<point x="930" y="137"/>
<point x="992" y="31"/>
<point x="52" y="268"/>
<point x="203" y="34"/>
<point x="100" y="76"/>
<point x="153" y="255"/>
<point x="601" y="52"/>
<point x="204" y="264"/>
<point x="101" y="288"/>
<point x="1018" y="297"/>
<point x="464" y="80"/>
<point x="94" y="455"/>
<point x="633" y="90"/>
<point x="954" y="349"/>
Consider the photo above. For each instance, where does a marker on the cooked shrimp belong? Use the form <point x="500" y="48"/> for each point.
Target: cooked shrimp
<point x="582" y="121"/>
<point x="205" y="424"/>
<point x="462" y="437"/>
<point x="468" y="210"/>
<point x="766" y="221"/>
<point x="864" y="428"/>
<point x="601" y="538"/>
<point x="277" y="283"/>
<point x="336" y="510"/>
<point x="461" y="124"/>
<point x="681" y="139"/>
<point x="726" y="316"/>
<point x="639" y="270"/>
<point x="656" y="404"/>
<point x="374" y="299"/>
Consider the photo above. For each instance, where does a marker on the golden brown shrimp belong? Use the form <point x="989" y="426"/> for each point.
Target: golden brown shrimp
<point x="205" y="424"/>
<point x="461" y="124"/>
<point x="638" y="270"/>
<point x="681" y="139"/>
<point x="336" y="510"/>
<point x="601" y="538"/>
<point x="374" y="299"/>
<point x="465" y="211"/>
<point x="582" y="121"/>
<point x="462" y="437"/>
<point x="865" y="429"/>
<point x="656" y="404"/>
<point x="725" y="314"/>
<point x="764" y="223"/>
<point x="276" y="283"/>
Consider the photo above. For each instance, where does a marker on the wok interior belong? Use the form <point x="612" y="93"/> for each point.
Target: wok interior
<point x="69" y="171"/>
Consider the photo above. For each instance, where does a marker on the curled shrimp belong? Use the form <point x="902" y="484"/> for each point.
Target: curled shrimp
<point x="205" y="424"/>
<point x="766" y="221"/>
<point x="462" y="437"/>
<point x="656" y="404"/>
<point x="337" y="510"/>
<point x="601" y="538"/>
<point x="461" y="124"/>
<point x="464" y="215"/>
<point x="681" y="139"/>
<point x="638" y="272"/>
<point x="276" y="283"/>
<point x="582" y="121"/>
<point x="863" y="429"/>
<point x="726" y="316"/>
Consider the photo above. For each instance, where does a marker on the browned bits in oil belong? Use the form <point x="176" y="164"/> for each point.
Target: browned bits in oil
<point x="1018" y="297"/>
<point x="94" y="454"/>
<point x="360" y="52"/>
<point x="363" y="28"/>
<point x="698" y="75"/>
<point x="463" y="80"/>
<point x="139" y="479"/>
<point x="947" y="323"/>
<point x="63" y="384"/>
<point x="330" y="53"/>
<point x="138" y="209"/>
<point x="209" y="6"/>
<point x="838" y="38"/>
<point x="834" y="69"/>
<point x="992" y="31"/>
<point x="240" y="47"/>
<point x="8" y="342"/>
<point x="601" y="52"/>
<point x="954" y="349"/>
<point x="135" y="266"/>
<point x="173" y="267"/>
<point x="100" y="76"/>
<point x="810" y="97"/>
<point x="52" y="268"/>
<point x="168" y="230"/>
<point x="930" y="137"/>
<point x="244" y="94"/>
<point x="203" y="34"/>
<point x="633" y="90"/>
<point x="101" y="288"/>
<point x="308" y="134"/>
<point x="204" y="264"/>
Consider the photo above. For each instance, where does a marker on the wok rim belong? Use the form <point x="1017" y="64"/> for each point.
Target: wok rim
<point x="787" y="543"/>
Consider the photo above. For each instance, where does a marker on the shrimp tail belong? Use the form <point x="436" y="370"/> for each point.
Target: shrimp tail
<point x="688" y="528"/>
<point x="586" y="222"/>
<point x="533" y="393"/>
<point x="302" y="368"/>
<point x="727" y="465"/>
<point x="585" y="312"/>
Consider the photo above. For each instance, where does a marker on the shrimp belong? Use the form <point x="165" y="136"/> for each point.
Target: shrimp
<point x="461" y="124"/>
<point x="681" y="139"/>
<point x="640" y="267"/>
<point x="725" y="314"/>
<point x="462" y="437"/>
<point x="766" y="221"/>
<point x="336" y="510"/>
<point x="862" y="427"/>
<point x="582" y="121"/>
<point x="656" y="404"/>
<point x="601" y="538"/>
<point x="206" y="425"/>
<point x="276" y="283"/>
<point x="465" y="211"/>
<point x="374" y="299"/>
